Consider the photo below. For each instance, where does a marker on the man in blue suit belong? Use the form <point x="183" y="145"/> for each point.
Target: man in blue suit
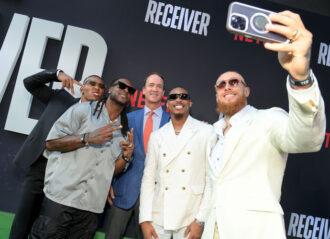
<point x="124" y="195"/>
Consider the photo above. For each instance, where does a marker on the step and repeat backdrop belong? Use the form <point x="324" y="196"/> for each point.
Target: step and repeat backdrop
<point x="184" y="40"/>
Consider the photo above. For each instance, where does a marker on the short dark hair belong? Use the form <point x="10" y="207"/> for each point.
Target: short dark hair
<point x="87" y="78"/>
<point x="154" y="73"/>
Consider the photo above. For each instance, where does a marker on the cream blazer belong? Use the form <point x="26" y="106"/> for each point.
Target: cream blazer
<point x="244" y="197"/>
<point x="174" y="176"/>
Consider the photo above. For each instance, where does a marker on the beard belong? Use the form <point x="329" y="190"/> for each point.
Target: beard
<point x="229" y="109"/>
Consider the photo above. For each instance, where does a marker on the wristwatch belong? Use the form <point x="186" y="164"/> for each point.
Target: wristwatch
<point x="83" y="139"/>
<point x="200" y="223"/>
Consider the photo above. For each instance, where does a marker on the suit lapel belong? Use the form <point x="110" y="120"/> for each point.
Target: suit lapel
<point x="232" y="138"/>
<point x="181" y="140"/>
<point x="164" y="119"/>
<point x="139" y="126"/>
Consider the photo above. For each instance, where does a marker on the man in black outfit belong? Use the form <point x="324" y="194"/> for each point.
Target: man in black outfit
<point x="30" y="154"/>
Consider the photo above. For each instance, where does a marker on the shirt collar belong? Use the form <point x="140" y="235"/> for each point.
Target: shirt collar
<point x="237" y="118"/>
<point x="157" y="111"/>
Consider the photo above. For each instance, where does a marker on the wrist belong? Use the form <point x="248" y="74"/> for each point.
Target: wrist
<point x="126" y="158"/>
<point x="306" y="81"/>
<point x="84" y="139"/>
<point x="200" y="223"/>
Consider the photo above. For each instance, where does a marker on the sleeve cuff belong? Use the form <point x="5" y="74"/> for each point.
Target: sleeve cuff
<point x="304" y="95"/>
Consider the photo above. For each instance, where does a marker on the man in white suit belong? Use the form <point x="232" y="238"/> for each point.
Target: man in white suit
<point x="174" y="176"/>
<point x="246" y="166"/>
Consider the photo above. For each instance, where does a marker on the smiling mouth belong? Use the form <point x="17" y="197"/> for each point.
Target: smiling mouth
<point x="178" y="107"/>
<point x="123" y="95"/>
<point x="229" y="95"/>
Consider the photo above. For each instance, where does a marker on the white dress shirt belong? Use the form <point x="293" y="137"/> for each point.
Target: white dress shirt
<point x="219" y="128"/>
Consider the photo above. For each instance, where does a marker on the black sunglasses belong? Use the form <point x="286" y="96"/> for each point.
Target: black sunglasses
<point x="93" y="83"/>
<point x="123" y="86"/>
<point x="231" y="82"/>
<point x="182" y="96"/>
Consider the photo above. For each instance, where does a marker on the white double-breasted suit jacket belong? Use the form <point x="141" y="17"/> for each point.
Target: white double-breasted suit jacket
<point x="243" y="198"/>
<point x="174" y="176"/>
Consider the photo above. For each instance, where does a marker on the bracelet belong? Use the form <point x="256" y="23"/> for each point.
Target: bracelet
<point x="126" y="159"/>
<point x="295" y="82"/>
<point x="200" y="223"/>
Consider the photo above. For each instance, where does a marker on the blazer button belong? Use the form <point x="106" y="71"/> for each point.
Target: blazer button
<point x="166" y="188"/>
<point x="182" y="170"/>
<point x="188" y="152"/>
<point x="167" y="170"/>
<point x="155" y="182"/>
<point x="183" y="188"/>
<point x="164" y="154"/>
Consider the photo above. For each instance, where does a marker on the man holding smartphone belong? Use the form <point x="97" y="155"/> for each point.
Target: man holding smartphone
<point x="246" y="166"/>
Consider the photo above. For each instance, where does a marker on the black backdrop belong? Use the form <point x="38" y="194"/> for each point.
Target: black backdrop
<point x="136" y="47"/>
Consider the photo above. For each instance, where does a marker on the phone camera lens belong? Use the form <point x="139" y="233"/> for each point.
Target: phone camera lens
<point x="238" y="22"/>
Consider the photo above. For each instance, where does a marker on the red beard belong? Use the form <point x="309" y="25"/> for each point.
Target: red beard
<point x="229" y="109"/>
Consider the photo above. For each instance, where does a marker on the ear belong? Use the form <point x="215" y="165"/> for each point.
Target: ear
<point x="143" y="90"/>
<point x="216" y="97"/>
<point x="190" y="104"/>
<point x="247" y="92"/>
<point x="82" y="89"/>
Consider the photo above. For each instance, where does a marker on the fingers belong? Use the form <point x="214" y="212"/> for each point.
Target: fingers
<point x="116" y="128"/>
<point x="154" y="234"/>
<point x="186" y="232"/>
<point x="103" y="134"/>
<point x="67" y="81"/>
<point x="112" y="194"/>
<point x="130" y="136"/>
<point x="77" y="83"/>
<point x="109" y="200"/>
<point x="111" y="124"/>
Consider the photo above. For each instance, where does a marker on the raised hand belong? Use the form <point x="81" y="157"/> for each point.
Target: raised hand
<point x="293" y="56"/>
<point x="103" y="134"/>
<point x="128" y="146"/>
<point x="67" y="81"/>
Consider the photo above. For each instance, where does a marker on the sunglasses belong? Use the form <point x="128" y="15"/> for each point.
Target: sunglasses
<point x="123" y="86"/>
<point x="182" y="96"/>
<point x="232" y="82"/>
<point x="93" y="83"/>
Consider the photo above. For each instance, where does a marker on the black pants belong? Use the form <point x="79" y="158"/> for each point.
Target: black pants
<point x="30" y="200"/>
<point x="57" y="221"/>
<point x="117" y="221"/>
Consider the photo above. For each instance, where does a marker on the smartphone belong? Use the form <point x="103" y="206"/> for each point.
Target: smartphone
<point x="250" y="22"/>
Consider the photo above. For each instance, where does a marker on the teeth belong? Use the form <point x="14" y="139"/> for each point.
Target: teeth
<point x="178" y="106"/>
<point x="228" y="96"/>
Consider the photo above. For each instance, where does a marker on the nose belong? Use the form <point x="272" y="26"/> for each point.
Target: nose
<point x="227" y="86"/>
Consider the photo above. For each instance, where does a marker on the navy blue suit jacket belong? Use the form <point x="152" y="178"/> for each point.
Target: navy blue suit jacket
<point x="127" y="185"/>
